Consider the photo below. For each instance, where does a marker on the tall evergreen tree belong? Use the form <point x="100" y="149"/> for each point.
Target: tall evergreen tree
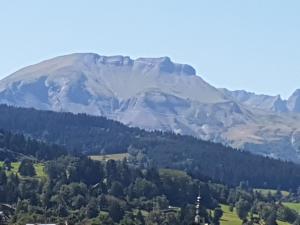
<point x="26" y="168"/>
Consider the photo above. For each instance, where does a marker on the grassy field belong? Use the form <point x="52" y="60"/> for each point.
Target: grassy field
<point x="231" y="218"/>
<point x="116" y="157"/>
<point x="282" y="223"/>
<point x="39" y="168"/>
<point x="295" y="206"/>
<point x="173" y="172"/>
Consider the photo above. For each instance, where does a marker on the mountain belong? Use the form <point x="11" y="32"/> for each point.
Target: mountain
<point x="264" y="102"/>
<point x="156" y="93"/>
<point x="152" y="93"/>
<point x="294" y="101"/>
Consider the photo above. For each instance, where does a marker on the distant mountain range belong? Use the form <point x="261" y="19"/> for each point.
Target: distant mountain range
<point x="266" y="102"/>
<point x="157" y="94"/>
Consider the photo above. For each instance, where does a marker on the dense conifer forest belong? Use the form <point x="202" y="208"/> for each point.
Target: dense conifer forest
<point x="17" y="146"/>
<point x="205" y="160"/>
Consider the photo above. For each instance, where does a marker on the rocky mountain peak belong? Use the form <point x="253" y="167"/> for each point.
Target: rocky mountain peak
<point x="279" y="105"/>
<point x="294" y="101"/>
<point x="165" y="65"/>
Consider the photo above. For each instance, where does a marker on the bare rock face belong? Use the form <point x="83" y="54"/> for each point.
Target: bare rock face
<point x="264" y="102"/>
<point x="294" y="101"/>
<point x="156" y="93"/>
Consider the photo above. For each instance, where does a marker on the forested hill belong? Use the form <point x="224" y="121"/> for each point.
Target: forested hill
<point x="16" y="147"/>
<point x="202" y="159"/>
<point x="89" y="134"/>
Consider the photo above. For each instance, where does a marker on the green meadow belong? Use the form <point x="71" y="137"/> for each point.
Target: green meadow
<point x="231" y="218"/>
<point x="116" y="157"/>
<point x="39" y="168"/>
<point x="295" y="206"/>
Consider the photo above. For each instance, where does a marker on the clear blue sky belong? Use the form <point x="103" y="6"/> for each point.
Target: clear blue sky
<point x="242" y="44"/>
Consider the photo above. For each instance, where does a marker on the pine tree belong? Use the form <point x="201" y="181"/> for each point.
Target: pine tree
<point x="26" y="168"/>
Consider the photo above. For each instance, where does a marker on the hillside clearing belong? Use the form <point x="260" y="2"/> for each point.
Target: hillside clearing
<point x="116" y="157"/>
<point x="39" y="168"/>
<point x="291" y="205"/>
<point x="231" y="218"/>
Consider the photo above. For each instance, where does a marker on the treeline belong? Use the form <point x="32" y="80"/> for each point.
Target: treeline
<point x="15" y="146"/>
<point x="82" y="191"/>
<point x="89" y="134"/>
<point x="207" y="161"/>
<point x="201" y="159"/>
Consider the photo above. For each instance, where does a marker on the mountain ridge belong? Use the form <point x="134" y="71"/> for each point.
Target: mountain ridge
<point x="158" y="94"/>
